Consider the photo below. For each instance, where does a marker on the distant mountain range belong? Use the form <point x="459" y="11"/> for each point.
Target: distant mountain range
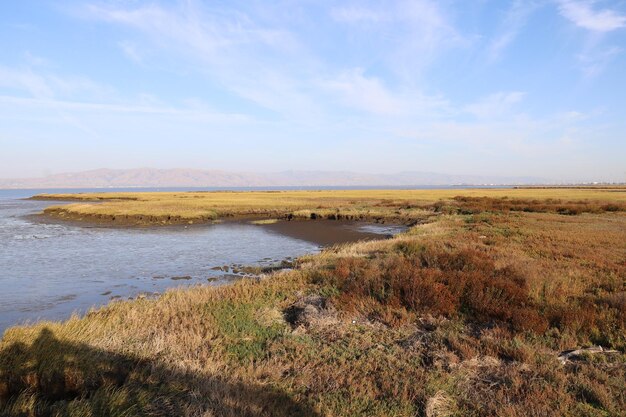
<point x="150" y="177"/>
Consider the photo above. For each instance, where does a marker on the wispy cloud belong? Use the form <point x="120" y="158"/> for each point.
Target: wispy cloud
<point x="356" y="14"/>
<point x="583" y="14"/>
<point x="593" y="61"/>
<point x="598" y="23"/>
<point x="190" y="23"/>
<point x="366" y="93"/>
<point x="45" y="84"/>
<point x="511" y="25"/>
<point x="495" y="105"/>
<point x="271" y="67"/>
<point x="131" y="51"/>
<point x="42" y="96"/>
<point x="24" y="80"/>
<point x="408" y="35"/>
<point x="370" y="94"/>
<point x="522" y="136"/>
<point x="35" y="60"/>
<point x="192" y="112"/>
<point x="253" y="61"/>
<point x="269" y="75"/>
<point x="429" y="25"/>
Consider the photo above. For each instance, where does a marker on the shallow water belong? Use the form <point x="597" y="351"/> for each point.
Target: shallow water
<point x="48" y="271"/>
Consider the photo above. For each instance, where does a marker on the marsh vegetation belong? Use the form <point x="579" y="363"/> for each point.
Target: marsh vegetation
<point x="162" y="208"/>
<point x="465" y="313"/>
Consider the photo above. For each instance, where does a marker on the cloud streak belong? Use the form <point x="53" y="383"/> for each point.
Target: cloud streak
<point x="495" y="105"/>
<point x="376" y="83"/>
<point x="510" y="27"/>
<point x="583" y="14"/>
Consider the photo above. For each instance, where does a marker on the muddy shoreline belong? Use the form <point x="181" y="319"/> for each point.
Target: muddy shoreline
<point x="123" y="220"/>
<point x="322" y="232"/>
<point x="101" y="254"/>
<point x="325" y="232"/>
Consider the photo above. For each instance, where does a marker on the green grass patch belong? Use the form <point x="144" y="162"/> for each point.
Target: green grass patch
<point x="246" y="333"/>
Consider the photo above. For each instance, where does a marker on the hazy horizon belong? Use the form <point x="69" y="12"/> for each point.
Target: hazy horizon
<point x="234" y="171"/>
<point x="516" y="89"/>
<point x="582" y="179"/>
<point x="150" y="177"/>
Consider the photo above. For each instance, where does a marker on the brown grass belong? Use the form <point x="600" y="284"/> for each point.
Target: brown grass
<point x="473" y="205"/>
<point x="464" y="315"/>
<point x="379" y="205"/>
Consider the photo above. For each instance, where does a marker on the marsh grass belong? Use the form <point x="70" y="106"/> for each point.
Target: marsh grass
<point x="462" y="315"/>
<point x="379" y="205"/>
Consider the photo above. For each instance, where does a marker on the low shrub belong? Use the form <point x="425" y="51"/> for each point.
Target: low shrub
<point x="474" y="205"/>
<point x="438" y="281"/>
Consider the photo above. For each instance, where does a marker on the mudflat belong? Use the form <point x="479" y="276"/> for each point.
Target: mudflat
<point x="330" y="232"/>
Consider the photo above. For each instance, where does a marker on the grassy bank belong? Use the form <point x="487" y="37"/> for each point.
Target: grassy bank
<point x="465" y="314"/>
<point x="380" y="205"/>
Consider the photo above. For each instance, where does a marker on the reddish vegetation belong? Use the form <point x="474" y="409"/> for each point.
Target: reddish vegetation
<point x="461" y="282"/>
<point x="433" y="280"/>
<point x="462" y="315"/>
<point x="473" y="205"/>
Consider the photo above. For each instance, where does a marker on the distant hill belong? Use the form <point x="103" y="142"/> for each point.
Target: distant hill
<point x="150" y="177"/>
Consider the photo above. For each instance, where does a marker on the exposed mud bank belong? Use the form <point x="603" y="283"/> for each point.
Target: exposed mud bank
<point x="77" y="197"/>
<point x="326" y="232"/>
<point x="121" y="220"/>
<point x="322" y="232"/>
<point x="139" y="220"/>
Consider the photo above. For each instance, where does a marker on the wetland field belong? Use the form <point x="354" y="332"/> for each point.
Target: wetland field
<point x="430" y="303"/>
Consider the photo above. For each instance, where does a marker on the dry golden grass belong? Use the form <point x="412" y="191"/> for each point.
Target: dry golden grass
<point x="464" y="315"/>
<point x="264" y="221"/>
<point x="402" y="205"/>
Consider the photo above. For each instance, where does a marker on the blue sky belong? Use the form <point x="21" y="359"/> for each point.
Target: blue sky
<point x="481" y="87"/>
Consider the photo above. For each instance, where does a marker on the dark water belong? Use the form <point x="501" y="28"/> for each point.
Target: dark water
<point x="48" y="271"/>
